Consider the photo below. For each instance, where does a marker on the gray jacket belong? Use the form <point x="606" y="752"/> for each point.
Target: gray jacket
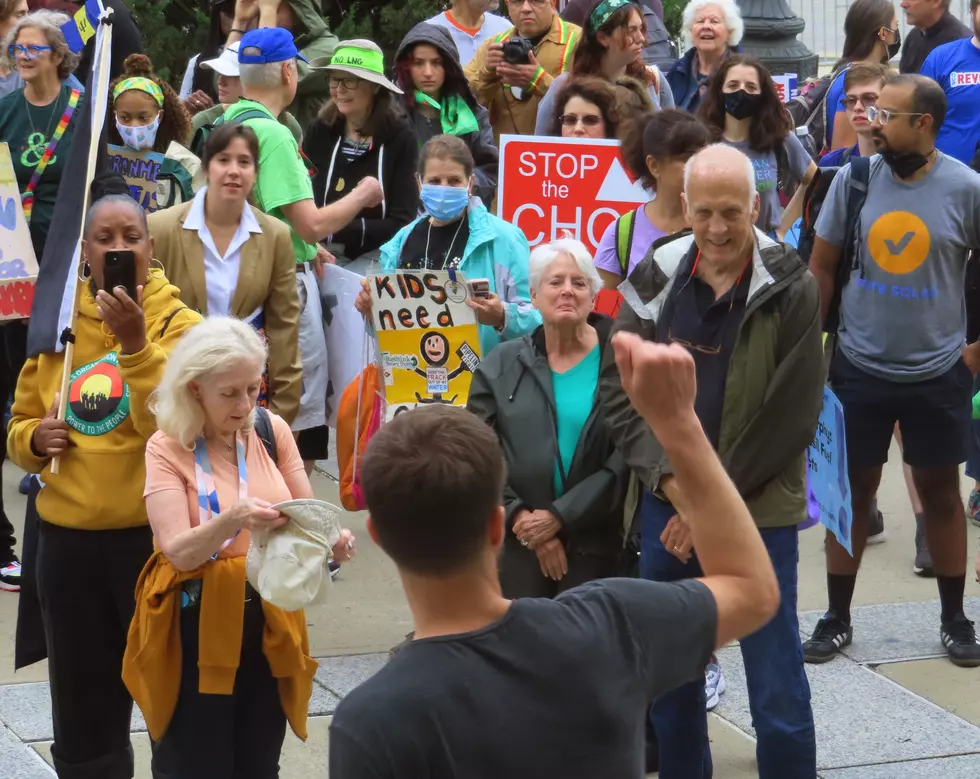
<point x="512" y="392"/>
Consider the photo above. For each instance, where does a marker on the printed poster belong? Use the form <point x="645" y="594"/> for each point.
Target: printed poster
<point x="18" y="265"/>
<point x="828" y="488"/>
<point x="140" y="169"/>
<point x="428" y="338"/>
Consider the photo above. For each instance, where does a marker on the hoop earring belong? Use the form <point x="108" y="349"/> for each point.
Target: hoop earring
<point x="156" y="271"/>
<point x="84" y="272"/>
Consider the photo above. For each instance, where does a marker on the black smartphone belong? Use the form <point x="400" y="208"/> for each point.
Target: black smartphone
<point x="120" y="271"/>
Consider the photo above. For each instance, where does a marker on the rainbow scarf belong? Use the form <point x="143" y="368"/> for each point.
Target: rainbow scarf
<point x="28" y="197"/>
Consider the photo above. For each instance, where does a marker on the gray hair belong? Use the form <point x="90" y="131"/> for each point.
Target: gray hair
<point x="731" y="11"/>
<point x="267" y="75"/>
<point x="106" y="200"/>
<point x="49" y="23"/>
<point x="544" y="255"/>
<point x="216" y="345"/>
<point x="722" y="150"/>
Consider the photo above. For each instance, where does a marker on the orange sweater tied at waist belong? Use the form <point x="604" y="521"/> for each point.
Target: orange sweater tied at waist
<point x="152" y="663"/>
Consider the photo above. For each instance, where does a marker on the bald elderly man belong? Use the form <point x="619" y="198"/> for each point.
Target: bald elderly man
<point x="748" y="310"/>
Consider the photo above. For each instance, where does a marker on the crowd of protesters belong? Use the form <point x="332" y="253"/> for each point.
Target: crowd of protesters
<point x="586" y="454"/>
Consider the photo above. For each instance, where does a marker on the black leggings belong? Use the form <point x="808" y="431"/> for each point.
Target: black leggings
<point x="85" y="582"/>
<point x="236" y="736"/>
<point x="13" y="345"/>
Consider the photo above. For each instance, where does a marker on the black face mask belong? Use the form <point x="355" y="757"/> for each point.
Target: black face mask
<point x="894" y="48"/>
<point x="740" y="105"/>
<point x="904" y="164"/>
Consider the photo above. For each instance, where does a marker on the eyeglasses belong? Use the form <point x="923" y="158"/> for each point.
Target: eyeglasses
<point x="867" y="100"/>
<point x="694" y="347"/>
<point x="587" y="120"/>
<point x="31" y="52"/>
<point x="350" y="83"/>
<point x="884" y="116"/>
<point x="532" y="3"/>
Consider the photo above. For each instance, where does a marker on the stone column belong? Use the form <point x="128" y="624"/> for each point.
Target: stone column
<point x="771" y="28"/>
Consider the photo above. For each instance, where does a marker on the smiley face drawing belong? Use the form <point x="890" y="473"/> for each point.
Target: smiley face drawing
<point x="434" y="349"/>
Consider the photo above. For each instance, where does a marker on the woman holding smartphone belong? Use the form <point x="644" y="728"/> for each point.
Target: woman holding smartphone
<point x="458" y="233"/>
<point x="92" y="511"/>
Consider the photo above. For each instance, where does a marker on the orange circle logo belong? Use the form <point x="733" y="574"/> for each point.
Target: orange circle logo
<point x="899" y="242"/>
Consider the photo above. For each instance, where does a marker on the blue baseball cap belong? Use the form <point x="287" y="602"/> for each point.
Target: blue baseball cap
<point x="267" y="44"/>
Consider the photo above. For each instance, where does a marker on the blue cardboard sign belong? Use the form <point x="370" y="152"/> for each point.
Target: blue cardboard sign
<point x="828" y="489"/>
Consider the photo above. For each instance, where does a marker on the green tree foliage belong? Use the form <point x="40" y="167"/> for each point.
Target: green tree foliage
<point x="173" y="32"/>
<point x="385" y="23"/>
<point x="673" y="10"/>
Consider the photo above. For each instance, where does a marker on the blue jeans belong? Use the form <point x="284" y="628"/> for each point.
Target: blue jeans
<point x="779" y="694"/>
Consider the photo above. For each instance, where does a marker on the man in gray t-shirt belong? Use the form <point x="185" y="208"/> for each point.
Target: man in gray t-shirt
<point x="901" y="356"/>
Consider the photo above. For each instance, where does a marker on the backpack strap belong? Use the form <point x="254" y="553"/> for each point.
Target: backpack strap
<point x="857" y="194"/>
<point x="169" y="319"/>
<point x="263" y="427"/>
<point x="625" y="225"/>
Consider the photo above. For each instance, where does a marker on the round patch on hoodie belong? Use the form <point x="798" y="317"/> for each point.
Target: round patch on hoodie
<point x="98" y="398"/>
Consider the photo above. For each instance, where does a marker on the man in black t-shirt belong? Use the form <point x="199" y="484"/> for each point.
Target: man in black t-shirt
<point x="932" y="26"/>
<point x="538" y="688"/>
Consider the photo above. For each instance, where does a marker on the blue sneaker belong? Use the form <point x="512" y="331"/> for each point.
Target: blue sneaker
<point x="24" y="488"/>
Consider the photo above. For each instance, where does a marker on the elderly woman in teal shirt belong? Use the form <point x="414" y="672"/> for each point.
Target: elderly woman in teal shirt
<point x="566" y="485"/>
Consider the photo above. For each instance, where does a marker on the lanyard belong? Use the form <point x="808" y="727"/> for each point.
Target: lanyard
<point x="207" y="492"/>
<point x="27" y="198"/>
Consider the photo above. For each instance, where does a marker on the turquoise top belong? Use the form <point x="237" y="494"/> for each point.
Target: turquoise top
<point x="574" y="392"/>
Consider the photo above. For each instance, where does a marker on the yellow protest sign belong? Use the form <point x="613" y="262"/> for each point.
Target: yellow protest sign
<point x="428" y="338"/>
<point x="18" y="265"/>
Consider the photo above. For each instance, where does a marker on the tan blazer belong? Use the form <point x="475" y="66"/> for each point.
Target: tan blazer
<point x="266" y="277"/>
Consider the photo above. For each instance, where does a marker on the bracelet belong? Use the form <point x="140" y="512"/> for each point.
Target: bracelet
<point x="235" y="29"/>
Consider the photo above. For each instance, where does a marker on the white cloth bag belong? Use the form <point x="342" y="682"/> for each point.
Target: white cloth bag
<point x="288" y="566"/>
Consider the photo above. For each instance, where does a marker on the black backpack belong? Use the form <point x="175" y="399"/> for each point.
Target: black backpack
<point x="263" y="426"/>
<point x="809" y="109"/>
<point x="204" y="131"/>
<point x="813" y="199"/>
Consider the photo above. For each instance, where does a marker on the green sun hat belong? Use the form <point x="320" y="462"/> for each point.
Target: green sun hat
<point x="358" y="57"/>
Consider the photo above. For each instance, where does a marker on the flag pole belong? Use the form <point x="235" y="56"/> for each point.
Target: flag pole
<point x="99" y="100"/>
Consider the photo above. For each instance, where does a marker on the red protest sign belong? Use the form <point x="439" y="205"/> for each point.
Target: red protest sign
<point x="548" y="186"/>
<point x="18" y="266"/>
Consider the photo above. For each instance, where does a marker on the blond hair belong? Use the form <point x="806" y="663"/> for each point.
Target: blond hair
<point x="217" y="345"/>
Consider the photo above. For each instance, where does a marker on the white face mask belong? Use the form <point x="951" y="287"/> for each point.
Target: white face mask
<point x="141" y="136"/>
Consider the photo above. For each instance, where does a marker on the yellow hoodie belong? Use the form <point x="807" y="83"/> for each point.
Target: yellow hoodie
<point x="100" y="482"/>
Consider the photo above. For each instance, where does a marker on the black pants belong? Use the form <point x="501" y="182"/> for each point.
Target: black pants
<point x="13" y="351"/>
<point x="236" y="736"/>
<point x="521" y="577"/>
<point x="85" y="581"/>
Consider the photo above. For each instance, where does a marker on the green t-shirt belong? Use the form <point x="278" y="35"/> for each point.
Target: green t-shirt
<point x="574" y="392"/>
<point x="27" y="130"/>
<point x="283" y="177"/>
<point x="211" y="115"/>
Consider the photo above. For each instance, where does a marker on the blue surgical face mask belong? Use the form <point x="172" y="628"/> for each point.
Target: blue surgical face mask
<point x="444" y="203"/>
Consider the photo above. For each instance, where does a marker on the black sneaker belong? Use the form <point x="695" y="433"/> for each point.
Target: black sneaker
<point x="923" y="559"/>
<point x="876" y="529"/>
<point x="960" y="640"/>
<point x="829" y="637"/>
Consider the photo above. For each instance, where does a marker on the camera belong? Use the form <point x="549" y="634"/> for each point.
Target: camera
<point x="517" y="50"/>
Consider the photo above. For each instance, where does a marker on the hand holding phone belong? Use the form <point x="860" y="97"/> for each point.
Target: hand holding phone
<point x="479" y="288"/>
<point x="119" y="270"/>
<point x="122" y="313"/>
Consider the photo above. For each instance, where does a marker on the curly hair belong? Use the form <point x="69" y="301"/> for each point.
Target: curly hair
<point x="176" y="122"/>
<point x="665" y="135"/>
<point x="587" y="60"/>
<point x="597" y="91"/>
<point x="49" y="24"/>
<point x="770" y="125"/>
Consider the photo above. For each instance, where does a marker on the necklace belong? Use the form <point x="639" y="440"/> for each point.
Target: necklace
<point x="219" y="443"/>
<point x="449" y="252"/>
<point x="51" y="118"/>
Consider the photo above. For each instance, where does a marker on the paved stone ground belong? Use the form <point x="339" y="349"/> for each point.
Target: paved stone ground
<point x="891" y="708"/>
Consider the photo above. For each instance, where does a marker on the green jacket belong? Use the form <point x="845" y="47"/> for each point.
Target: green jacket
<point x="314" y="41"/>
<point x="512" y="392"/>
<point x="774" y="388"/>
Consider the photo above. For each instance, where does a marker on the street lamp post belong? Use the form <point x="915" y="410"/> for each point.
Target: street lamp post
<point x="771" y="28"/>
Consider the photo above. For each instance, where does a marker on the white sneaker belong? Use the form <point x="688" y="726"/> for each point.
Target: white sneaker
<point x="10" y="577"/>
<point x="714" y="683"/>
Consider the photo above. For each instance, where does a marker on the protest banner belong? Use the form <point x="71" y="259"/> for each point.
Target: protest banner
<point x="343" y="328"/>
<point x="18" y="265"/>
<point x="548" y="186"/>
<point x="828" y="489"/>
<point x="140" y="169"/>
<point x="428" y="339"/>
